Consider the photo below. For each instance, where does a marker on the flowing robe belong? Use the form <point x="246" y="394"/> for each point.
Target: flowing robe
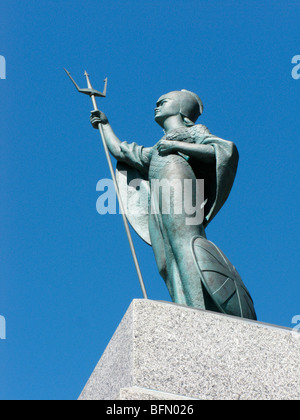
<point x="195" y="270"/>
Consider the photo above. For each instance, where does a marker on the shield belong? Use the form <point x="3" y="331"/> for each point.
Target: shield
<point x="221" y="280"/>
<point x="134" y="190"/>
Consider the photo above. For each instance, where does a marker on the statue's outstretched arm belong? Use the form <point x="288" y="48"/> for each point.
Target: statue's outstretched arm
<point x="112" y="141"/>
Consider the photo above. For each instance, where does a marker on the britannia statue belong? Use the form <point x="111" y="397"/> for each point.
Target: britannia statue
<point x="195" y="271"/>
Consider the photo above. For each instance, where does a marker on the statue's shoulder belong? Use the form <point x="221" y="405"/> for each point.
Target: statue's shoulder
<point x="193" y="134"/>
<point x="199" y="130"/>
<point x="198" y="133"/>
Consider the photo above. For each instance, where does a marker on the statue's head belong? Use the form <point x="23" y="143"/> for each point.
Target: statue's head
<point x="184" y="103"/>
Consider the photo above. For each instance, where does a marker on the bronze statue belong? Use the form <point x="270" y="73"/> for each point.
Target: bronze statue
<point x="195" y="270"/>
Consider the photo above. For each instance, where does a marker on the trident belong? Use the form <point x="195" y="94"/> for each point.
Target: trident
<point x="93" y="94"/>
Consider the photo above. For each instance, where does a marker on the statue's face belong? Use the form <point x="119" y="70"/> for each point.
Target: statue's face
<point x="167" y="106"/>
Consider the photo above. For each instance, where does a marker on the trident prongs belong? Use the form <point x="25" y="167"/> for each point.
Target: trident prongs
<point x="89" y="91"/>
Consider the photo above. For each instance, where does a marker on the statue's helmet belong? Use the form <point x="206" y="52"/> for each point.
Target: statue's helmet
<point x="191" y="106"/>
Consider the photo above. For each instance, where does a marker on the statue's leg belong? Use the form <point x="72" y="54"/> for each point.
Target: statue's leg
<point x="186" y="275"/>
<point x="171" y="234"/>
<point x="166" y="264"/>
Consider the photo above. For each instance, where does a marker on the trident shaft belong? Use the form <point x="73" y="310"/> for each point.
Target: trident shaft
<point x="93" y="94"/>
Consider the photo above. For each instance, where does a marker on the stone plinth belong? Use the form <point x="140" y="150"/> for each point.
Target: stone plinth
<point x="163" y="351"/>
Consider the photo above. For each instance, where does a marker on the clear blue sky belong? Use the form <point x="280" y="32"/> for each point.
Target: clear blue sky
<point x="67" y="277"/>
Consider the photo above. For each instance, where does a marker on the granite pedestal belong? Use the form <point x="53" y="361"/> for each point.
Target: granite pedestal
<point x="163" y="351"/>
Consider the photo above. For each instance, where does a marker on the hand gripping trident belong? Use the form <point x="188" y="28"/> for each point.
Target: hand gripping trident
<point x="93" y="94"/>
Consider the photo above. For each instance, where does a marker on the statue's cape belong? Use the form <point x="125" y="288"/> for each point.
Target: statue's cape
<point x="218" y="180"/>
<point x="218" y="177"/>
<point x="135" y="198"/>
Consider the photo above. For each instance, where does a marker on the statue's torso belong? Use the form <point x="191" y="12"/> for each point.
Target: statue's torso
<point x="164" y="167"/>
